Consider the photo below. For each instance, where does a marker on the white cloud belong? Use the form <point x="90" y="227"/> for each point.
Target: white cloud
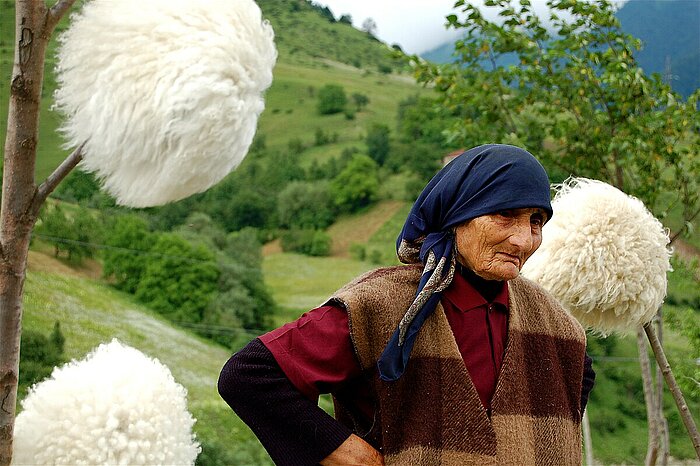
<point x="416" y="25"/>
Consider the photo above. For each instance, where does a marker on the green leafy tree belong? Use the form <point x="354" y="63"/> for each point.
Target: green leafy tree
<point x="306" y="241"/>
<point x="378" y="143"/>
<point x="331" y="99"/>
<point x="76" y="235"/>
<point x="180" y="278"/>
<point x="129" y="241"/>
<point x="304" y="204"/>
<point x="200" y="227"/>
<point x="575" y="97"/>
<point x="79" y="186"/>
<point x="423" y="119"/>
<point x="356" y="186"/>
<point x="360" y="100"/>
<point x="54" y="227"/>
<point x="39" y="355"/>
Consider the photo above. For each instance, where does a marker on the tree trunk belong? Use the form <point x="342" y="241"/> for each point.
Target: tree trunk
<point x="649" y="399"/>
<point x="661" y="419"/>
<point x="674" y="388"/>
<point x="587" y="442"/>
<point x="34" y="24"/>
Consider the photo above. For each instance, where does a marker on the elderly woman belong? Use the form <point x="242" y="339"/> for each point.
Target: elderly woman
<point x="452" y="359"/>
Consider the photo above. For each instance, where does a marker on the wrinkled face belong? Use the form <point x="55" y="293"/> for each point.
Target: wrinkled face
<point x="495" y="246"/>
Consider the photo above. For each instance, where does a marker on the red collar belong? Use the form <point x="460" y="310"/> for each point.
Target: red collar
<point x="465" y="297"/>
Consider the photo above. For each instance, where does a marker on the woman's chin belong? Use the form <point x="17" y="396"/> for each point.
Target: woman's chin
<point x="502" y="273"/>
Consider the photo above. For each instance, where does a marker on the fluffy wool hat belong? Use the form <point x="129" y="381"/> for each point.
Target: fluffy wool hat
<point x="117" y="406"/>
<point x="603" y="256"/>
<point x="165" y="93"/>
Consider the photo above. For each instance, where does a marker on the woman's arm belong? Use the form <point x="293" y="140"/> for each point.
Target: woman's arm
<point x="588" y="381"/>
<point x="291" y="427"/>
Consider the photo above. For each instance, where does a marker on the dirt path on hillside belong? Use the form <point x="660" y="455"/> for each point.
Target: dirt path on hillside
<point x="42" y="262"/>
<point x="346" y="231"/>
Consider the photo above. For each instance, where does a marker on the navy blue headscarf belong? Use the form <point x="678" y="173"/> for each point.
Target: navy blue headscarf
<point x="483" y="180"/>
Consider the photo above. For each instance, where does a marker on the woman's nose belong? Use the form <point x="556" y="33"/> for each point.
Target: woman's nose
<point x="522" y="236"/>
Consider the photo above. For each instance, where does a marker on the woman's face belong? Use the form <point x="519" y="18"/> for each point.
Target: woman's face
<point x="496" y="246"/>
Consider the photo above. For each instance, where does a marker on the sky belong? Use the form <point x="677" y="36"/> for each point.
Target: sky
<point x="416" y="25"/>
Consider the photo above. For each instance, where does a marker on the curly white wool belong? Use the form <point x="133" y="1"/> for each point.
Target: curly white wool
<point x="167" y="93"/>
<point x="117" y="406"/>
<point x="603" y="256"/>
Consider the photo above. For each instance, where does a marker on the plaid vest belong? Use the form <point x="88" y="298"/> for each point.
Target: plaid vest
<point x="432" y="415"/>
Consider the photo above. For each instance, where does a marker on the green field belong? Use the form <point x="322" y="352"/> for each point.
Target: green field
<point x="91" y="313"/>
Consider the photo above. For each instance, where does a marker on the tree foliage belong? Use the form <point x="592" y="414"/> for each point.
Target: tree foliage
<point x="360" y="100"/>
<point x="572" y="94"/>
<point x="40" y="354"/>
<point x="180" y="278"/>
<point x="75" y="234"/>
<point x="306" y="241"/>
<point x="378" y="143"/>
<point x="129" y="241"/>
<point x="305" y="204"/>
<point x="331" y="99"/>
<point x="356" y="186"/>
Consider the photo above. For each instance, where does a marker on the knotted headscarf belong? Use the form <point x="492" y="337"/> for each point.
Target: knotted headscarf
<point x="480" y="181"/>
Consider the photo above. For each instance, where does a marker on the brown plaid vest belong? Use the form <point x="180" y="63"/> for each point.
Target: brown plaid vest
<point x="432" y="415"/>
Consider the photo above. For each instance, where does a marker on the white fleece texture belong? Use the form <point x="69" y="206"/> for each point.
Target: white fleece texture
<point x="603" y="256"/>
<point x="117" y="406"/>
<point x="167" y="93"/>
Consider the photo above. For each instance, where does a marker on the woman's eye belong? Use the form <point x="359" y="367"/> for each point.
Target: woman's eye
<point x="506" y="213"/>
<point x="537" y="220"/>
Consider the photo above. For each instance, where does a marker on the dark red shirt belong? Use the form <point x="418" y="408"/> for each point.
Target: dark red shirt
<point x="315" y="351"/>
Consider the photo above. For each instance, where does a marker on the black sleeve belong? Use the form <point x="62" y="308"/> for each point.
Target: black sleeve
<point x="588" y="381"/>
<point x="291" y="427"/>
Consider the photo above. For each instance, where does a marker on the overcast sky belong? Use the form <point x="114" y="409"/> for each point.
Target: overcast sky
<point x="416" y="25"/>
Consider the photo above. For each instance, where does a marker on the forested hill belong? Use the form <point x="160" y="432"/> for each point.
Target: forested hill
<point x="667" y="28"/>
<point x="306" y="32"/>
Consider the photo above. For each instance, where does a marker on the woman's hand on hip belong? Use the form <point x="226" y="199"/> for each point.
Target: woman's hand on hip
<point x="354" y="451"/>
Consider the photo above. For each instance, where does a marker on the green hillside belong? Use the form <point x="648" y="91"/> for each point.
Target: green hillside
<point x="91" y="313"/>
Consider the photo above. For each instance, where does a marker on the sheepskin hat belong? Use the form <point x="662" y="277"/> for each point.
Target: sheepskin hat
<point x="116" y="406"/>
<point x="603" y="256"/>
<point x="165" y="93"/>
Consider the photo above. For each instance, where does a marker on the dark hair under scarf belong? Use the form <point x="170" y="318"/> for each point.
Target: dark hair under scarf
<point x="482" y="180"/>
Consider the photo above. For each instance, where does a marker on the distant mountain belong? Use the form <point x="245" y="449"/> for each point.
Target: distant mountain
<point x="668" y="29"/>
<point x="670" y="32"/>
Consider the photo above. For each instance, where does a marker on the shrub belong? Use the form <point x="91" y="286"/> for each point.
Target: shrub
<point x="305" y="205"/>
<point x="356" y="185"/>
<point x="331" y="99"/>
<point x="306" y="241"/>
<point x="358" y="251"/>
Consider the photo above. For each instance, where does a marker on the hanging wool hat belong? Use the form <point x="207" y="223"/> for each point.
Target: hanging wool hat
<point x="166" y="94"/>
<point x="117" y="406"/>
<point x="603" y="256"/>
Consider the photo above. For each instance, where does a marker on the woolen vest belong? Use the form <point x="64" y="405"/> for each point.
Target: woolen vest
<point x="433" y="415"/>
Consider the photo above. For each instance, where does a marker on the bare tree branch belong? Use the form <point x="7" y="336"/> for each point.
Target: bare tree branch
<point x="690" y="219"/>
<point x="55" y="178"/>
<point x="673" y="387"/>
<point x="56" y="13"/>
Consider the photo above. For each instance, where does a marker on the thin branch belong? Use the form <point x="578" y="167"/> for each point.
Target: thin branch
<point x="673" y="387"/>
<point x="57" y="11"/>
<point x="690" y="219"/>
<point x="55" y="178"/>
